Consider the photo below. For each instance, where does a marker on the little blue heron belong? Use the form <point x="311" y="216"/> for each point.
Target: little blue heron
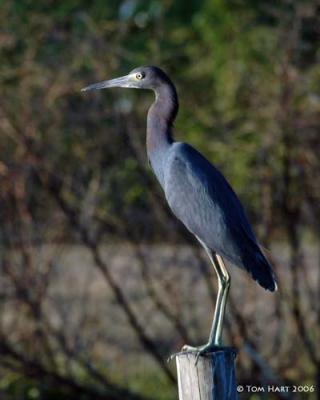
<point x="197" y="194"/>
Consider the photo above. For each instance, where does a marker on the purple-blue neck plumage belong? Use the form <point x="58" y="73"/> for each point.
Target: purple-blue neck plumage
<point x="160" y="120"/>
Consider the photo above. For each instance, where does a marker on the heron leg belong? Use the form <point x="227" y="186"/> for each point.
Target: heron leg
<point x="215" y="337"/>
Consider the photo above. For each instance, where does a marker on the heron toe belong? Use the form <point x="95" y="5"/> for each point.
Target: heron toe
<point x="201" y="350"/>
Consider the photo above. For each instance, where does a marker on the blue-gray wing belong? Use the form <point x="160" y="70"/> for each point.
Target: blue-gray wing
<point x="202" y="199"/>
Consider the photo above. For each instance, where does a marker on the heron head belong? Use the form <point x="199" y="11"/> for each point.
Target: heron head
<point x="139" y="78"/>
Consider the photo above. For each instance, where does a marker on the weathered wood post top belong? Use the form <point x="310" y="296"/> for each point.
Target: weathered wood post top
<point x="211" y="378"/>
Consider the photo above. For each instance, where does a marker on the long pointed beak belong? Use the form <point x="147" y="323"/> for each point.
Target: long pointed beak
<point x="123" y="81"/>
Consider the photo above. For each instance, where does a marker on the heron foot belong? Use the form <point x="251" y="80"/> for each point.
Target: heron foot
<point x="199" y="350"/>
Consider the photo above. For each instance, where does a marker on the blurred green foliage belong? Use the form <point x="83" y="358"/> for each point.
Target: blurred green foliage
<point x="227" y="59"/>
<point x="248" y="79"/>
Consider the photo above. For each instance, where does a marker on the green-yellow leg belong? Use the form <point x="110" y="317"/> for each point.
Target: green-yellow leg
<point x="215" y="337"/>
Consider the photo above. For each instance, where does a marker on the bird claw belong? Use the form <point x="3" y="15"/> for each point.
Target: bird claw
<point x="184" y="350"/>
<point x="201" y="350"/>
<point x="174" y="355"/>
<point x="197" y="350"/>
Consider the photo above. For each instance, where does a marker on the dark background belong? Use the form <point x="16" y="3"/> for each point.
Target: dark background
<point x="99" y="283"/>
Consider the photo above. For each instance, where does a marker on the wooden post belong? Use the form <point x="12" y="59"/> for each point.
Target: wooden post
<point x="213" y="378"/>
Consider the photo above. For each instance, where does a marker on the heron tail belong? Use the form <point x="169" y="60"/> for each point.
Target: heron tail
<point x="261" y="270"/>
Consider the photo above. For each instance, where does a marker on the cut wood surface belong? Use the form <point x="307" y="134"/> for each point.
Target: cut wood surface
<point x="212" y="378"/>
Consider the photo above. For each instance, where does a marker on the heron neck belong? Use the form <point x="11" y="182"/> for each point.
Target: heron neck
<point x="161" y="116"/>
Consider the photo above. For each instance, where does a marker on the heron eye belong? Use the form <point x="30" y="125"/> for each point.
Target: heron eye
<point x="140" y="75"/>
